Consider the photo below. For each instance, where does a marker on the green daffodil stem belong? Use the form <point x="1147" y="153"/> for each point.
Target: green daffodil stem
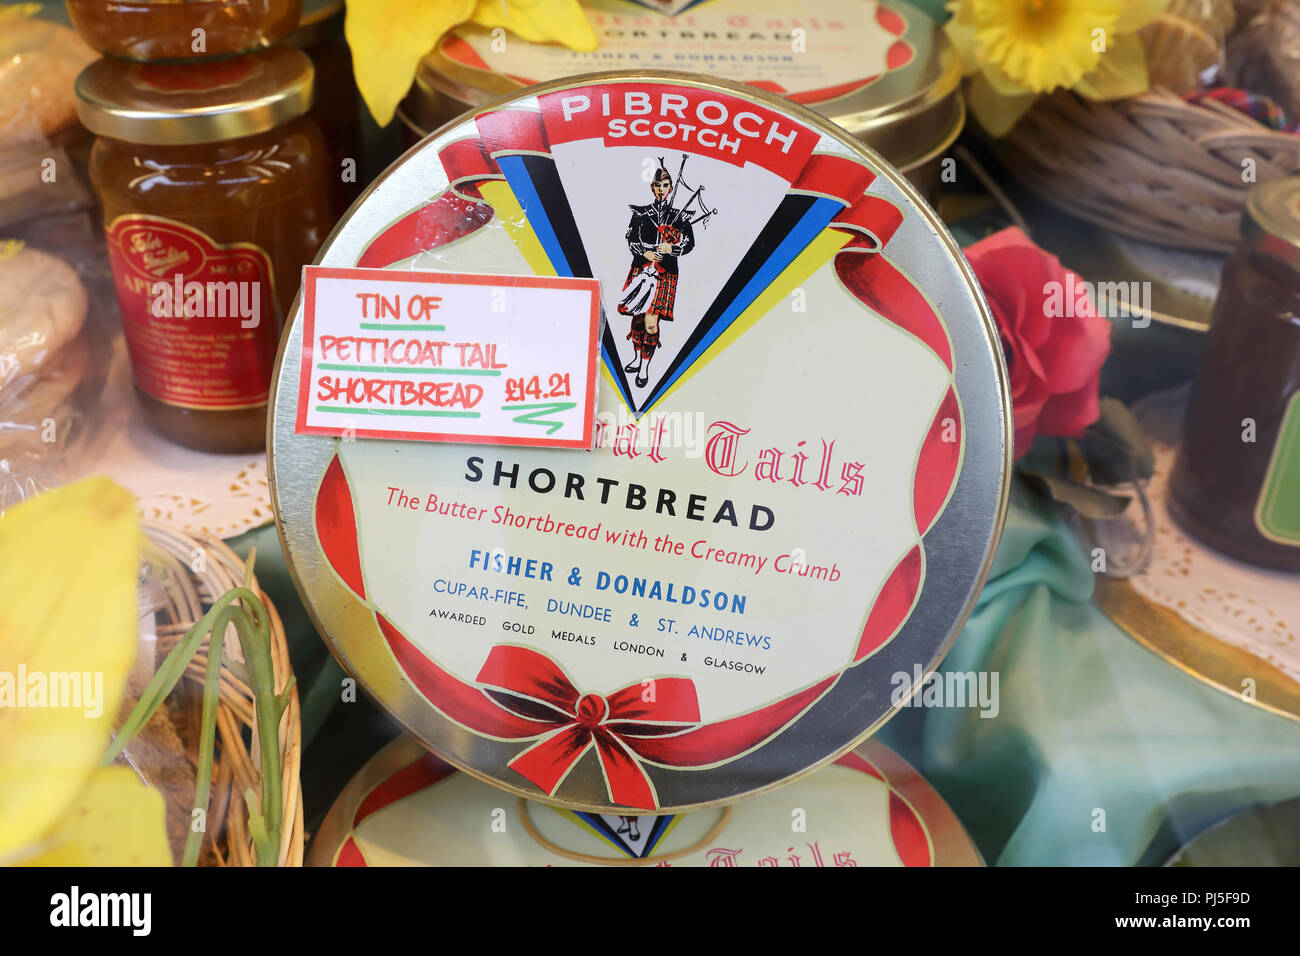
<point x="207" y="738"/>
<point x="170" y="671"/>
<point x="255" y="640"/>
<point x="252" y="624"/>
<point x="267" y="848"/>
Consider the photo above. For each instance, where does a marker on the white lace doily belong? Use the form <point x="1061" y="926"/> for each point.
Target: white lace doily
<point x="223" y="495"/>
<point x="1245" y="606"/>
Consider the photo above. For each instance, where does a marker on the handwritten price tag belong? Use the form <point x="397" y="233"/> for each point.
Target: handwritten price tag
<point x="435" y="356"/>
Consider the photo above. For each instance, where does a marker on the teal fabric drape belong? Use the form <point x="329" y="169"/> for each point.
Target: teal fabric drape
<point x="1088" y="721"/>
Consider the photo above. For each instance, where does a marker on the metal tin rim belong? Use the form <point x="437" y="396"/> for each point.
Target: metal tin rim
<point x="945" y="86"/>
<point x="950" y="838"/>
<point x="892" y="121"/>
<point x="986" y="332"/>
<point x="942" y="145"/>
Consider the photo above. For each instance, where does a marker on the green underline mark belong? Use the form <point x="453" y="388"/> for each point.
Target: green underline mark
<point x="329" y="367"/>
<point x="533" y="414"/>
<point x="395" y="411"/>
<point x="387" y="327"/>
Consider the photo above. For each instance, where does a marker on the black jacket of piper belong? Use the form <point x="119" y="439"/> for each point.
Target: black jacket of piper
<point x="643" y="234"/>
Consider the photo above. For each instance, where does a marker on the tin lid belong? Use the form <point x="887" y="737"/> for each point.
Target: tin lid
<point x="1271" y="221"/>
<point x="165" y="104"/>
<point x="793" y="500"/>
<point x="406" y="807"/>
<point x="882" y="70"/>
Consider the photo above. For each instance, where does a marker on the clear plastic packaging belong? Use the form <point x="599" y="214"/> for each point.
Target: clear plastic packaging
<point x="57" y="310"/>
<point x="40" y="137"/>
<point x="57" y="315"/>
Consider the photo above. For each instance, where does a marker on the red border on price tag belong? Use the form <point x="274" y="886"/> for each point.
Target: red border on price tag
<point x="306" y="373"/>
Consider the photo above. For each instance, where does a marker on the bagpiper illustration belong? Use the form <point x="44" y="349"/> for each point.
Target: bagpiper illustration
<point x="657" y="236"/>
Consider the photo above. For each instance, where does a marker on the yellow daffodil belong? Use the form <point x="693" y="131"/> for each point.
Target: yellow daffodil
<point x="539" y="21"/>
<point x="69" y="561"/>
<point x="389" y="37"/>
<point x="1014" y="50"/>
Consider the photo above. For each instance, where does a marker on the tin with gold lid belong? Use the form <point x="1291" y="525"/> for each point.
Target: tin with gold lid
<point x="800" y="456"/>
<point x="881" y="69"/>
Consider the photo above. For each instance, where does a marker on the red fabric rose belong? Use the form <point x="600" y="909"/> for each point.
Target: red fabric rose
<point x="1053" y="339"/>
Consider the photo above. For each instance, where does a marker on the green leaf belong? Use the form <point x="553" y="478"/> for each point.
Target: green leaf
<point x="1088" y="501"/>
<point x="1115" y="446"/>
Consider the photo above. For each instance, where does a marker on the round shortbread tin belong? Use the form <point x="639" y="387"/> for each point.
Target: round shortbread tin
<point x="721" y="541"/>
<point x="406" y="807"/>
<point x="884" y="71"/>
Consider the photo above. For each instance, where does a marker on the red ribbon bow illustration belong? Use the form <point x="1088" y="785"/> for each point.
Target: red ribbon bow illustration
<point x="530" y="684"/>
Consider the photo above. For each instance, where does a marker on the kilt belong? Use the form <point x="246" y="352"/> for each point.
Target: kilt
<point x="665" y="294"/>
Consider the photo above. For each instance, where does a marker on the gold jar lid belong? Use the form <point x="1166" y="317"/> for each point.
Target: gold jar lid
<point x="884" y="71"/>
<point x="1271" y="222"/>
<point x="163" y="104"/>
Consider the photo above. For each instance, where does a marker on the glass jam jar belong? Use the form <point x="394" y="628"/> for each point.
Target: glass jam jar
<point x="182" y="29"/>
<point x="214" y="197"/>
<point x="1236" y="481"/>
<point x="337" y="111"/>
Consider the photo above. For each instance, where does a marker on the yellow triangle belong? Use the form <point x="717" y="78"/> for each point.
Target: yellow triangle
<point x="815" y="255"/>
<point x="507" y="209"/>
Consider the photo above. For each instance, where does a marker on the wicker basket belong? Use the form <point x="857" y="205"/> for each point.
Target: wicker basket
<point x="1152" y="167"/>
<point x="236" y="766"/>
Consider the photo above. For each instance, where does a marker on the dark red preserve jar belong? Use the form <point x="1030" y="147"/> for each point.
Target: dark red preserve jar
<point x="1236" y="482"/>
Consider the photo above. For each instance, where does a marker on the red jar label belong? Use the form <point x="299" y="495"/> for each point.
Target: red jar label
<point x="199" y="317"/>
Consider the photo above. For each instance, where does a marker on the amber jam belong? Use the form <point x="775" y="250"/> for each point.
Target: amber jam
<point x="166" y="29"/>
<point x="207" y="238"/>
<point x="1236" y="482"/>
